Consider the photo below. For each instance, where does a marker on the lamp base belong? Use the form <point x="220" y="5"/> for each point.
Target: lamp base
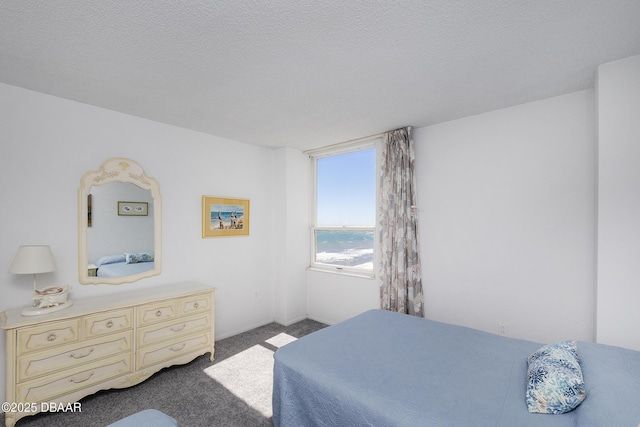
<point x="37" y="311"/>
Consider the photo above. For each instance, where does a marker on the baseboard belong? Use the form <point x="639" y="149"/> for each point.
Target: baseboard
<point x="291" y="322"/>
<point x="317" y="319"/>
<point x="244" y="329"/>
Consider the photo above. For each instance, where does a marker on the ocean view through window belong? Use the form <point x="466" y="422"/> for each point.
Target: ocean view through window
<point x="347" y="248"/>
<point x="344" y="230"/>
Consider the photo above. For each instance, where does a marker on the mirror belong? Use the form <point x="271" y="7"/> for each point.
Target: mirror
<point x="119" y="224"/>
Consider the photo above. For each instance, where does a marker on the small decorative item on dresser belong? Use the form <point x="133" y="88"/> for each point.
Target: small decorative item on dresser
<point x="34" y="259"/>
<point x="52" y="296"/>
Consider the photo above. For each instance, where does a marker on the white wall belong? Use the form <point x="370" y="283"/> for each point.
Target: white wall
<point x="291" y="255"/>
<point x="507" y="219"/>
<point x="48" y="143"/>
<point x="619" y="203"/>
<point x="332" y="297"/>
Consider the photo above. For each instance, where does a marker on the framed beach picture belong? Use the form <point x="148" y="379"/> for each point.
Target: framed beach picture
<point x="224" y="217"/>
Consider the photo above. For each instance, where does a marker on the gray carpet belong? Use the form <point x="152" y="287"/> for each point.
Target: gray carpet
<point x="186" y="392"/>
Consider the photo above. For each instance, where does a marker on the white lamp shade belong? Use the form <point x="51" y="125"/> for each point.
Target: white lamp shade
<point x="33" y="259"/>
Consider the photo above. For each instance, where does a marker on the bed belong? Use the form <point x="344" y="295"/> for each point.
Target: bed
<point x="388" y="369"/>
<point x="124" y="264"/>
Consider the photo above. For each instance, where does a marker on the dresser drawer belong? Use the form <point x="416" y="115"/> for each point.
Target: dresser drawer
<point x="153" y="355"/>
<point x="163" y="332"/>
<point x="49" y="387"/>
<point x="195" y="304"/>
<point x="152" y="313"/>
<point x="68" y="356"/>
<point x="48" y="335"/>
<point x="108" y="322"/>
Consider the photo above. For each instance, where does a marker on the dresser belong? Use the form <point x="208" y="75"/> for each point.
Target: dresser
<point x="112" y="341"/>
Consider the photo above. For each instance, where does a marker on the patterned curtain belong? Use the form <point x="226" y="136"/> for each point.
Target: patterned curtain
<point x="401" y="287"/>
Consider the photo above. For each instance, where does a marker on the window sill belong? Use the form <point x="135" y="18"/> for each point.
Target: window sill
<point x="343" y="272"/>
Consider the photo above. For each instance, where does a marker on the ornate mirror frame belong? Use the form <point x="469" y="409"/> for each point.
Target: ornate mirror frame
<point x="117" y="170"/>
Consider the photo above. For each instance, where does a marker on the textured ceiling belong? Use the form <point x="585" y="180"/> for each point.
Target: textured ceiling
<point x="310" y="73"/>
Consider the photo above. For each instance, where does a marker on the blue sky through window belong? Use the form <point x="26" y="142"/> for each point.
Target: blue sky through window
<point x="346" y="189"/>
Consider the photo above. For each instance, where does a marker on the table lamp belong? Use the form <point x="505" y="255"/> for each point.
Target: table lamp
<point x="34" y="259"/>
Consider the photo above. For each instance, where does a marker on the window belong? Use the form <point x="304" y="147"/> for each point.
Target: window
<point x="345" y="209"/>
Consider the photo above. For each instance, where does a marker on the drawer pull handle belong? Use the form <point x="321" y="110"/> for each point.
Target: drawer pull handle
<point x="82" y="380"/>
<point x="178" y="347"/>
<point x="196" y="305"/>
<point x="178" y="328"/>
<point x="109" y="324"/>
<point x="51" y="337"/>
<point x="84" y="355"/>
<point x="158" y="313"/>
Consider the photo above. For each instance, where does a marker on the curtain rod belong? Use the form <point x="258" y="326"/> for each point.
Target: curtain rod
<point x="345" y="144"/>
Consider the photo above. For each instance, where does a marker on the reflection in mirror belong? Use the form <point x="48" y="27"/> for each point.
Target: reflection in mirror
<point x="118" y="224"/>
<point x="117" y="232"/>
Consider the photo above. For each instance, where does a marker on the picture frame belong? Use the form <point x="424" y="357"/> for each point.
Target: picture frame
<point x="225" y="217"/>
<point x="133" y="208"/>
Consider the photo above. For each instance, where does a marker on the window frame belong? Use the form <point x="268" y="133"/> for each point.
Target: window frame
<point x="335" y="150"/>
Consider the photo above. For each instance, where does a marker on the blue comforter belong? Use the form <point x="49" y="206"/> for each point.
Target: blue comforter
<point x="387" y="369"/>
<point x="124" y="269"/>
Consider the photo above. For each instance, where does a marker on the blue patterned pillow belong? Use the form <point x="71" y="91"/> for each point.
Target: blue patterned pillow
<point x="555" y="384"/>
<point x="139" y="257"/>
